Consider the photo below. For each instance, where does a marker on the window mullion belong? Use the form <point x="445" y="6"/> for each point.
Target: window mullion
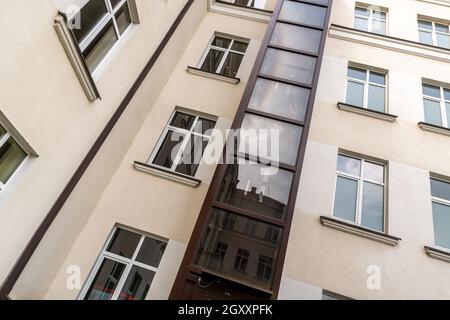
<point x="121" y="282"/>
<point x="180" y="152"/>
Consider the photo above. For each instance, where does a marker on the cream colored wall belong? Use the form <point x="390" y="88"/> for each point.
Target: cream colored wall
<point x="70" y="126"/>
<point x="338" y="261"/>
<point x="154" y="204"/>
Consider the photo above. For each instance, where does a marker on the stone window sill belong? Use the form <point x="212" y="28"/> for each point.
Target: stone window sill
<point x="359" y="231"/>
<point x="166" y="174"/>
<point x="434" y="128"/>
<point x="367" y="112"/>
<point x="438" y="253"/>
<point x="212" y="75"/>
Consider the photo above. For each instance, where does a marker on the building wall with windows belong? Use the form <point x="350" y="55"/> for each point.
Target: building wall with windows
<point x="340" y="261"/>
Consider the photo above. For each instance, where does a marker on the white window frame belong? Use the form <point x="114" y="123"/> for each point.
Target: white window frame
<point x="187" y="135"/>
<point x="226" y="51"/>
<point x="249" y="3"/>
<point x="442" y="202"/>
<point x="371" y="18"/>
<point x="367" y="85"/>
<point x="359" y="192"/>
<point x="3" y="140"/>
<point x="433" y="30"/>
<point x="442" y="101"/>
<point x="129" y="263"/>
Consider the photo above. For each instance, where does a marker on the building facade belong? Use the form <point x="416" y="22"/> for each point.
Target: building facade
<point x="134" y="98"/>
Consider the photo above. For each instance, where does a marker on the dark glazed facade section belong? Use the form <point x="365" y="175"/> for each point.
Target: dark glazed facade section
<point x="238" y="246"/>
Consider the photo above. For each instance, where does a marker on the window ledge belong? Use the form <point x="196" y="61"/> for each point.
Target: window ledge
<point x="367" y="112"/>
<point x="166" y="174"/>
<point x="212" y="75"/>
<point x="359" y="231"/>
<point x="439" y="254"/>
<point x="434" y="128"/>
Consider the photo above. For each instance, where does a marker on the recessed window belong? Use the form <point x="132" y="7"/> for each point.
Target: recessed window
<point x="241" y="260"/>
<point x="265" y="268"/>
<point x="101" y="24"/>
<point x="267" y="5"/>
<point x="436" y="104"/>
<point x="360" y="192"/>
<point x="434" y="33"/>
<point x="126" y="267"/>
<point x="370" y="19"/>
<point x="440" y="195"/>
<point x="366" y="89"/>
<point x="11" y="156"/>
<point x="183" y="142"/>
<point x="224" y="56"/>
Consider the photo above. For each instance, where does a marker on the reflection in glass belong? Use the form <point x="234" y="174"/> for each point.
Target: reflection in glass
<point x="377" y="98"/>
<point x="303" y="13"/>
<point x="355" y="94"/>
<point x="89" y="17"/>
<point x="105" y="281"/>
<point x="123" y="18"/>
<point x="289" y="66"/>
<point x="100" y="46"/>
<point x="232" y="64"/>
<point x="212" y="61"/>
<point x="440" y="189"/>
<point x="280" y="99"/>
<point x="267" y="5"/>
<point x="441" y="221"/>
<point x="349" y="165"/>
<point x="151" y="252"/>
<point x="256" y="187"/>
<point x="124" y="243"/>
<point x="295" y="37"/>
<point x="372" y="211"/>
<point x="169" y="149"/>
<point x="373" y="172"/>
<point x="432" y="111"/>
<point x="235" y="254"/>
<point x="11" y="157"/>
<point x="137" y="284"/>
<point x="345" y="198"/>
<point x="269" y="139"/>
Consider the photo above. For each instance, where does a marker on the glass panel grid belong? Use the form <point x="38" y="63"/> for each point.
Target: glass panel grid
<point x="434" y="33"/>
<point x="366" y="89"/>
<point x="370" y="19"/>
<point x="436" y="105"/>
<point x="440" y="196"/>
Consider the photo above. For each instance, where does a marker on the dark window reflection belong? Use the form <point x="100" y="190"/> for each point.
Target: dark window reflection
<point x="212" y="61"/>
<point x="106" y="281"/>
<point x="232" y="64"/>
<point x="90" y="15"/>
<point x="124" y="243"/>
<point x="256" y="187"/>
<point x="137" y="284"/>
<point x="236" y="254"/>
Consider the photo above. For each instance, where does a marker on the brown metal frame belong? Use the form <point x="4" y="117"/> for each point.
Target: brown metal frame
<point x="187" y="270"/>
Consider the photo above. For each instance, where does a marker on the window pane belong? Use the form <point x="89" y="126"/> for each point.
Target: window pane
<point x="361" y="24"/>
<point x="377" y="98"/>
<point x="349" y="165"/>
<point x="137" y="284"/>
<point x="106" y="280"/>
<point x="372" y="212"/>
<point x="124" y="243"/>
<point x="280" y="99"/>
<point x="11" y="156"/>
<point x="425" y="25"/>
<point x="192" y="155"/>
<point x="151" y="252"/>
<point x="355" y="94"/>
<point x="379" y="27"/>
<point x="256" y="187"/>
<point x="212" y="61"/>
<point x="431" y="91"/>
<point x="204" y="126"/>
<point x="2" y="131"/>
<point x="232" y="64"/>
<point x="362" y="12"/>
<point x="447" y="110"/>
<point x="441" y="28"/>
<point x="303" y="13"/>
<point x="440" y="189"/>
<point x="123" y="18"/>
<point x="221" y="42"/>
<point x="114" y="3"/>
<point x="182" y="120"/>
<point x="259" y="136"/>
<point x="447" y="94"/>
<point x="241" y="250"/>
<point x="441" y="222"/>
<point x="356" y="73"/>
<point x="377" y="78"/>
<point x="426" y="37"/>
<point x="90" y="16"/>
<point x="379" y="15"/>
<point x="299" y="38"/>
<point x="169" y="149"/>
<point x="239" y="46"/>
<point x="290" y="66"/>
<point x="432" y="112"/>
<point x="443" y="40"/>
<point x="100" y="46"/>
<point x="374" y="172"/>
<point x="345" y="199"/>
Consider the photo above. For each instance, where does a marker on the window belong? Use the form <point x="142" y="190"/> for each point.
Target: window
<point x="183" y="142"/>
<point x="126" y="267"/>
<point x="366" y="89"/>
<point x="240" y="263"/>
<point x="11" y="156"/>
<point x="360" y="192"/>
<point x="440" y="195"/>
<point x="436" y="104"/>
<point x="102" y="24"/>
<point x="434" y="33"/>
<point x="224" y="56"/>
<point x="250" y="227"/>
<point x="221" y="250"/>
<point x="256" y="4"/>
<point x="370" y="19"/>
<point x="265" y="268"/>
